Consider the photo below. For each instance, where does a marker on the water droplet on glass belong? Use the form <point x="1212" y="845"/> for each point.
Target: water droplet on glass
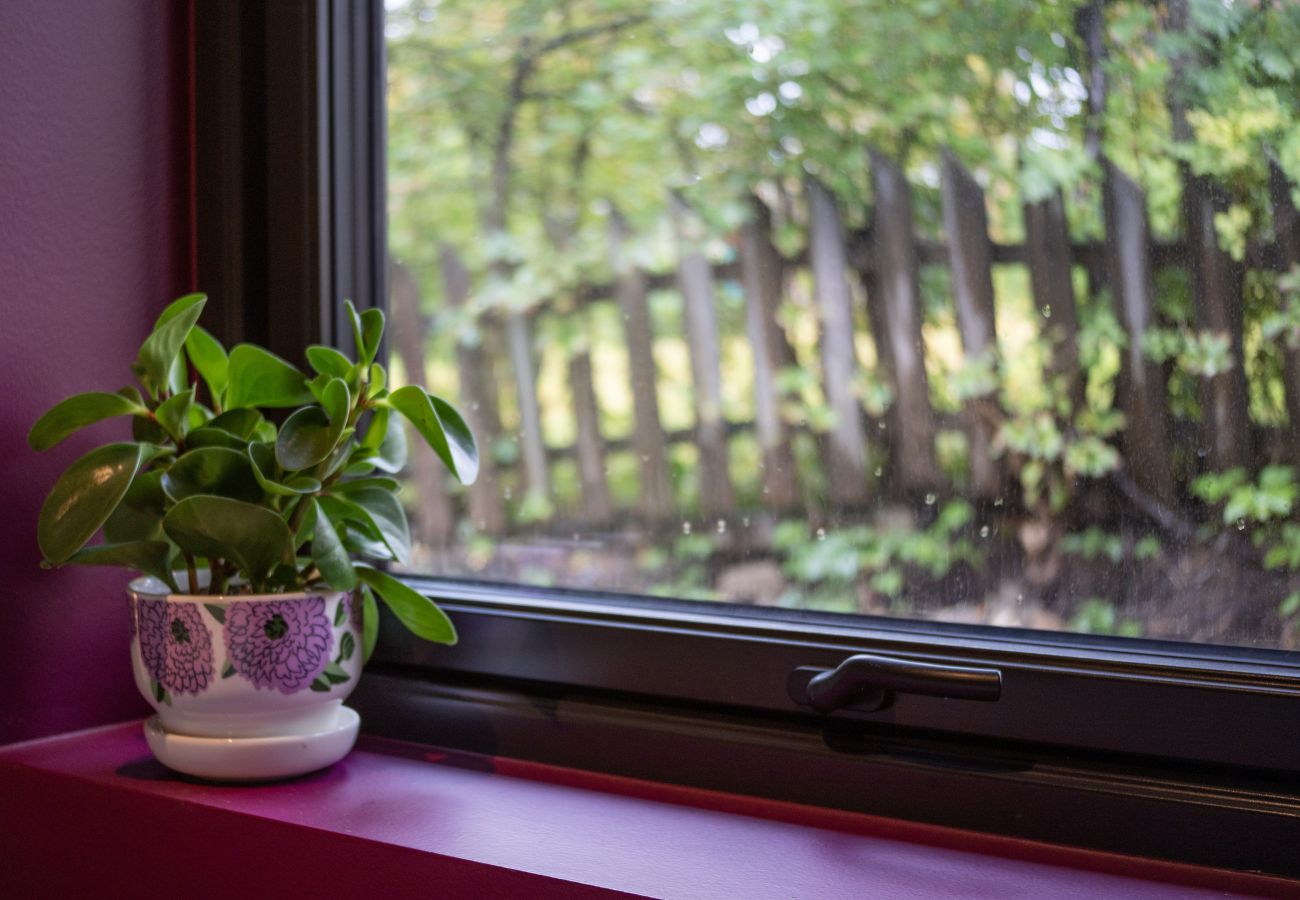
<point x="722" y="526"/>
<point x="686" y="528"/>
<point x="1241" y="524"/>
<point x="745" y="521"/>
<point x="1200" y="452"/>
<point x="474" y="406"/>
<point x="929" y="499"/>
<point x="998" y="502"/>
<point x="507" y="493"/>
<point x="879" y="471"/>
<point x="880" y="425"/>
<point x="1047" y="311"/>
<point x="984" y="531"/>
<point x="821" y="534"/>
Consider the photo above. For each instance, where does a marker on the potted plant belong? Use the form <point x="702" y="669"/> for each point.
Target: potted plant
<point x="246" y="499"/>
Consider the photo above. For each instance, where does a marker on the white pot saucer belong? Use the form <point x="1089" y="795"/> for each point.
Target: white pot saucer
<point x="253" y="759"/>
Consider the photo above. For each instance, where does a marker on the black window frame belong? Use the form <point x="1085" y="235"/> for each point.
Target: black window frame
<point x="1167" y="749"/>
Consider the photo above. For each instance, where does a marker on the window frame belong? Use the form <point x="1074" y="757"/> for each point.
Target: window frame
<point x="1133" y="735"/>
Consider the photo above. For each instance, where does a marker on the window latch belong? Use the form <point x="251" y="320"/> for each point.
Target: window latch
<point x="865" y="683"/>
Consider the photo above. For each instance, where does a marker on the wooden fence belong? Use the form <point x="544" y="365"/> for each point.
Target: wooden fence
<point x="885" y="259"/>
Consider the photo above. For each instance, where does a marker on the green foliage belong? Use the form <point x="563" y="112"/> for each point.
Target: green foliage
<point x="1096" y="543"/>
<point x="882" y="557"/>
<point x="1097" y="616"/>
<point x="212" y="483"/>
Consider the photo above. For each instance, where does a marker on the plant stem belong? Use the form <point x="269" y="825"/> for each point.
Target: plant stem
<point x="219" y="576"/>
<point x="192" y="570"/>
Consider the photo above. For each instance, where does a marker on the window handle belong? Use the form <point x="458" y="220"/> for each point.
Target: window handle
<point x="866" y="683"/>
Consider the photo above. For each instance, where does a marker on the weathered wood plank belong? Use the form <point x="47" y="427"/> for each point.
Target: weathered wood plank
<point x="912" y="452"/>
<point x="629" y="291"/>
<point x="762" y="275"/>
<point x="432" y="521"/>
<point x="1047" y="248"/>
<point x="478" y="401"/>
<point x="971" y="265"/>
<point x="848" y="456"/>
<point x="1142" y="393"/>
<point x="700" y="317"/>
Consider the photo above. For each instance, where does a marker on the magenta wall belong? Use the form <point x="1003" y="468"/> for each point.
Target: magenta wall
<point x="94" y="240"/>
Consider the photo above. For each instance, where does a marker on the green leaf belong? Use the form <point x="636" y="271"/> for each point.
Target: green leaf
<point x="379" y="482"/>
<point x="358" y="335"/>
<point x="173" y="414"/>
<point x="212" y="470"/>
<point x="139" y="516"/>
<point x="158" y="693"/>
<point x="336" y="400"/>
<point x="76" y="413"/>
<point x="378" y="380"/>
<point x="321" y="685"/>
<point x="369" y="624"/>
<point x="340" y="613"/>
<point x="372" y="331"/>
<point x="391" y="455"/>
<point x="1290" y="605"/>
<point x="209" y="359"/>
<point x="153" y="363"/>
<point x="377" y="430"/>
<point x="242" y="423"/>
<point x="328" y="361"/>
<point x="388" y="516"/>
<point x="334" y="672"/>
<point x="307" y="438"/>
<point x="150" y="557"/>
<point x="262" y="457"/>
<point x="85" y="496"/>
<point x="218" y="612"/>
<point x="227" y="670"/>
<point x="441" y="427"/>
<point x="262" y="379"/>
<point x="347" y="645"/>
<point x="253" y="537"/>
<point x="414" y="610"/>
<point x="329" y="555"/>
<point x="213" y="437"/>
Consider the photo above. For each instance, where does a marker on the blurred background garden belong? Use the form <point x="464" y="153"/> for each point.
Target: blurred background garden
<point x="983" y="313"/>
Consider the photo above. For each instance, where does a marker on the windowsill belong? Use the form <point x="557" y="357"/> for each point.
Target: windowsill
<point x="93" y="808"/>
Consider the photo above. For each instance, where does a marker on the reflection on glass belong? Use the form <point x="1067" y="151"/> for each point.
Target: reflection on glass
<point x="983" y="313"/>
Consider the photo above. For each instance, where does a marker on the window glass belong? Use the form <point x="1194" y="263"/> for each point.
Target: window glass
<point x="977" y="313"/>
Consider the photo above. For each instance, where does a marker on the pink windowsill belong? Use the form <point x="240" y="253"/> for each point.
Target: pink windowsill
<point x="86" y="812"/>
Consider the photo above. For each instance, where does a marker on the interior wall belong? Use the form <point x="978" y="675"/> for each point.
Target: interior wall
<point x="94" y="241"/>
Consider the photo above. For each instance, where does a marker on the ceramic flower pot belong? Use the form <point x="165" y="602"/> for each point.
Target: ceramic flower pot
<point x="246" y="669"/>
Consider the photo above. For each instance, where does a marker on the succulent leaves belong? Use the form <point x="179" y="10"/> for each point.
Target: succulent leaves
<point x="210" y="481"/>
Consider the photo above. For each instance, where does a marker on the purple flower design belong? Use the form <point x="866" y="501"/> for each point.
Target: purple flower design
<point x="280" y="644"/>
<point x="175" y="644"/>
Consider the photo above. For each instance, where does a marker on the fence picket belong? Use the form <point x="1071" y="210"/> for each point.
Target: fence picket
<point x="970" y="264"/>
<point x="478" y="400"/>
<point x="1141" y="389"/>
<point x="912" y="456"/>
<point x="848" y="455"/>
<point x="700" y="317"/>
<point x="762" y="274"/>
<point x="432" y="521"/>
<point x="656" y="500"/>
<point x="1047" y="247"/>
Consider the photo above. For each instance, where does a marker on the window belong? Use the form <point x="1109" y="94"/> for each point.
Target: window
<point x="1000" y="455"/>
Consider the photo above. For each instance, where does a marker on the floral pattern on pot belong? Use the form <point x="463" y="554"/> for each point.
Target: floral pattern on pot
<point x="175" y="645"/>
<point x="279" y="644"/>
